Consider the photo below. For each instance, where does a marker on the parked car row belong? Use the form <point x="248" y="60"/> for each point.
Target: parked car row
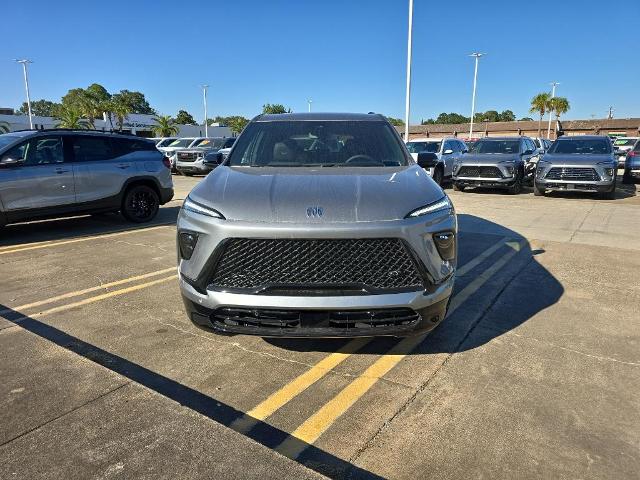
<point x="187" y="154"/>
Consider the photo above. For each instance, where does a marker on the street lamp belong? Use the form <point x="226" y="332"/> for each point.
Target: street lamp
<point x="309" y="102"/>
<point x="206" y="123"/>
<point x="477" y="56"/>
<point x="26" y="87"/>
<point x="408" y="92"/>
<point x="553" y="94"/>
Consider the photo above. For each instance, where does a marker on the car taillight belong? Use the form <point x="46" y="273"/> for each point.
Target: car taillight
<point x="166" y="161"/>
<point x="632" y="153"/>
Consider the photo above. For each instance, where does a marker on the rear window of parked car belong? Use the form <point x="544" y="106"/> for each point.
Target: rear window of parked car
<point x="625" y="142"/>
<point x="581" y="146"/>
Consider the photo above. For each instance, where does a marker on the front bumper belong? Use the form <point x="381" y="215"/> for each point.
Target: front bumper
<point x="505" y="180"/>
<point x="196" y="166"/>
<point x="205" y="304"/>
<point x="605" y="184"/>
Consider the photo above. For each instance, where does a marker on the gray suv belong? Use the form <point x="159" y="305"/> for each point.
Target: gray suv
<point x="495" y="162"/>
<point x="582" y="163"/>
<point x="318" y="225"/>
<point x="191" y="161"/>
<point x="51" y="173"/>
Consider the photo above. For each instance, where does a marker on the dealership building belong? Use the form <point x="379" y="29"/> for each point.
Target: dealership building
<point x="135" y="124"/>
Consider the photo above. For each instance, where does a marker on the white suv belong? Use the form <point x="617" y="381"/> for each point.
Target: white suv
<point x="447" y="149"/>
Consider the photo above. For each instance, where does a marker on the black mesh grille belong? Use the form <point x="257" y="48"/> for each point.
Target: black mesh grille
<point x="370" y="264"/>
<point x="186" y="156"/>
<point x="577" y="174"/>
<point x="480" y="172"/>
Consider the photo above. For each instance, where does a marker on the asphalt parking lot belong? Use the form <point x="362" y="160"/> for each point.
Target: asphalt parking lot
<point x="534" y="374"/>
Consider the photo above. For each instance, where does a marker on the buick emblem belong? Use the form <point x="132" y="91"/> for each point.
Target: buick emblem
<point x="315" y="212"/>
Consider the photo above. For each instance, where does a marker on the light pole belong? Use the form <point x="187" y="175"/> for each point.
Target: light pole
<point x="408" y="93"/>
<point x="309" y="102"/>
<point x="26" y="87"/>
<point x="477" y="56"/>
<point x="553" y="94"/>
<point x="206" y="123"/>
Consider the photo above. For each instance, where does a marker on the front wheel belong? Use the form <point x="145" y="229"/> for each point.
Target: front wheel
<point x="627" y="179"/>
<point x="437" y="175"/>
<point x="140" y="204"/>
<point x="611" y="194"/>
<point x="457" y="187"/>
<point x="516" y="188"/>
<point x="537" y="192"/>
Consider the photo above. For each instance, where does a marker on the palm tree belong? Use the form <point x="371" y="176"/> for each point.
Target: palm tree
<point x="165" y="126"/>
<point x="121" y="111"/>
<point x="70" y="117"/>
<point x="559" y="105"/>
<point x="539" y="105"/>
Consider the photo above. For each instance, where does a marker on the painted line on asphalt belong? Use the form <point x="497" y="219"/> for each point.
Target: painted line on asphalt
<point x="97" y="298"/>
<point x="78" y="293"/>
<point x="319" y="422"/>
<point x="38" y="245"/>
<point x="298" y="385"/>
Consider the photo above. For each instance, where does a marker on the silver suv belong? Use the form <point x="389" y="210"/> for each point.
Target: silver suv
<point x="448" y="150"/>
<point x="51" y="173"/>
<point x="191" y="161"/>
<point x="318" y="225"/>
<point x="495" y="162"/>
<point x="581" y="163"/>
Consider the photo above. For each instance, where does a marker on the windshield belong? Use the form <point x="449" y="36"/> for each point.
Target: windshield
<point x="419" y="147"/>
<point x="623" y="142"/>
<point x="496" y="146"/>
<point x="581" y="146"/>
<point x="317" y="143"/>
<point x="8" y="138"/>
<point x="214" y="143"/>
<point x="165" y="143"/>
<point x="181" y="142"/>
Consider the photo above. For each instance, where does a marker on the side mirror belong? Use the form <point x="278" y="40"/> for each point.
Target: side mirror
<point x="10" y="162"/>
<point x="528" y="152"/>
<point x="427" y="159"/>
<point x="212" y="159"/>
<point x="448" y="151"/>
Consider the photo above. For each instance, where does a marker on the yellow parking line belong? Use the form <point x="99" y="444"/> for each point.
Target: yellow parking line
<point x="298" y="385"/>
<point x="318" y="423"/>
<point x="39" y="245"/>
<point x="97" y="298"/>
<point x="78" y="293"/>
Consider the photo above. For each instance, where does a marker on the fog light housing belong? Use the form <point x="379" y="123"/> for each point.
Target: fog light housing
<point x="608" y="172"/>
<point x="187" y="242"/>
<point x="509" y="169"/>
<point x="446" y="245"/>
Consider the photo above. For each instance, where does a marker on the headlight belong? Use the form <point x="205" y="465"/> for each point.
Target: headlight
<point x="191" y="206"/>
<point x="609" y="168"/>
<point x="441" y="205"/>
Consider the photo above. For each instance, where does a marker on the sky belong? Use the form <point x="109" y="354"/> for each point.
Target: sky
<point x="345" y="55"/>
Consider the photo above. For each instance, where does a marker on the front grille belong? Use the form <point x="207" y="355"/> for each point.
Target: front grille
<point x="186" y="157"/>
<point x="573" y="174"/>
<point x="334" y="319"/>
<point x="316" y="266"/>
<point x="480" y="172"/>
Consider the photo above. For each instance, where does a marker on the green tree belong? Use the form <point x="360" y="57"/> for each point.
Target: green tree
<point x="41" y="108"/>
<point x="450" y="118"/>
<point x="539" y="105"/>
<point x="165" y="126"/>
<point x="275" y="108"/>
<point x="135" y="100"/>
<point x="235" y="122"/>
<point x="185" y="118"/>
<point x="70" y="117"/>
<point x="559" y="106"/>
<point x="396" y="122"/>
<point x="506" y="116"/>
<point x="526" y="119"/>
<point x="116" y="108"/>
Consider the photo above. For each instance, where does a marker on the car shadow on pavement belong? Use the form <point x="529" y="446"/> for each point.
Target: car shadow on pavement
<point x="521" y="276"/>
<point x="312" y="457"/>
<point x="73" y="227"/>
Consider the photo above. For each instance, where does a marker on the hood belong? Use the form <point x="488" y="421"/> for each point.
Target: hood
<point x="488" y="158"/>
<point x="365" y="194"/>
<point x="576" y="159"/>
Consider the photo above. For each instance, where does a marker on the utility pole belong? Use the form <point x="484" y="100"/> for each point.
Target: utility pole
<point x="26" y="87"/>
<point x="477" y="56"/>
<point x="309" y="102"/>
<point x="206" y="123"/>
<point x="553" y="94"/>
<point x="610" y="112"/>
<point x="407" y="105"/>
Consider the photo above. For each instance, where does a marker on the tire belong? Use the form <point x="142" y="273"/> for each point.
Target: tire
<point x="457" y="187"/>
<point x="627" y="179"/>
<point x="140" y="204"/>
<point x="611" y="194"/>
<point x="516" y="188"/>
<point x="438" y="175"/>
<point x="537" y="192"/>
